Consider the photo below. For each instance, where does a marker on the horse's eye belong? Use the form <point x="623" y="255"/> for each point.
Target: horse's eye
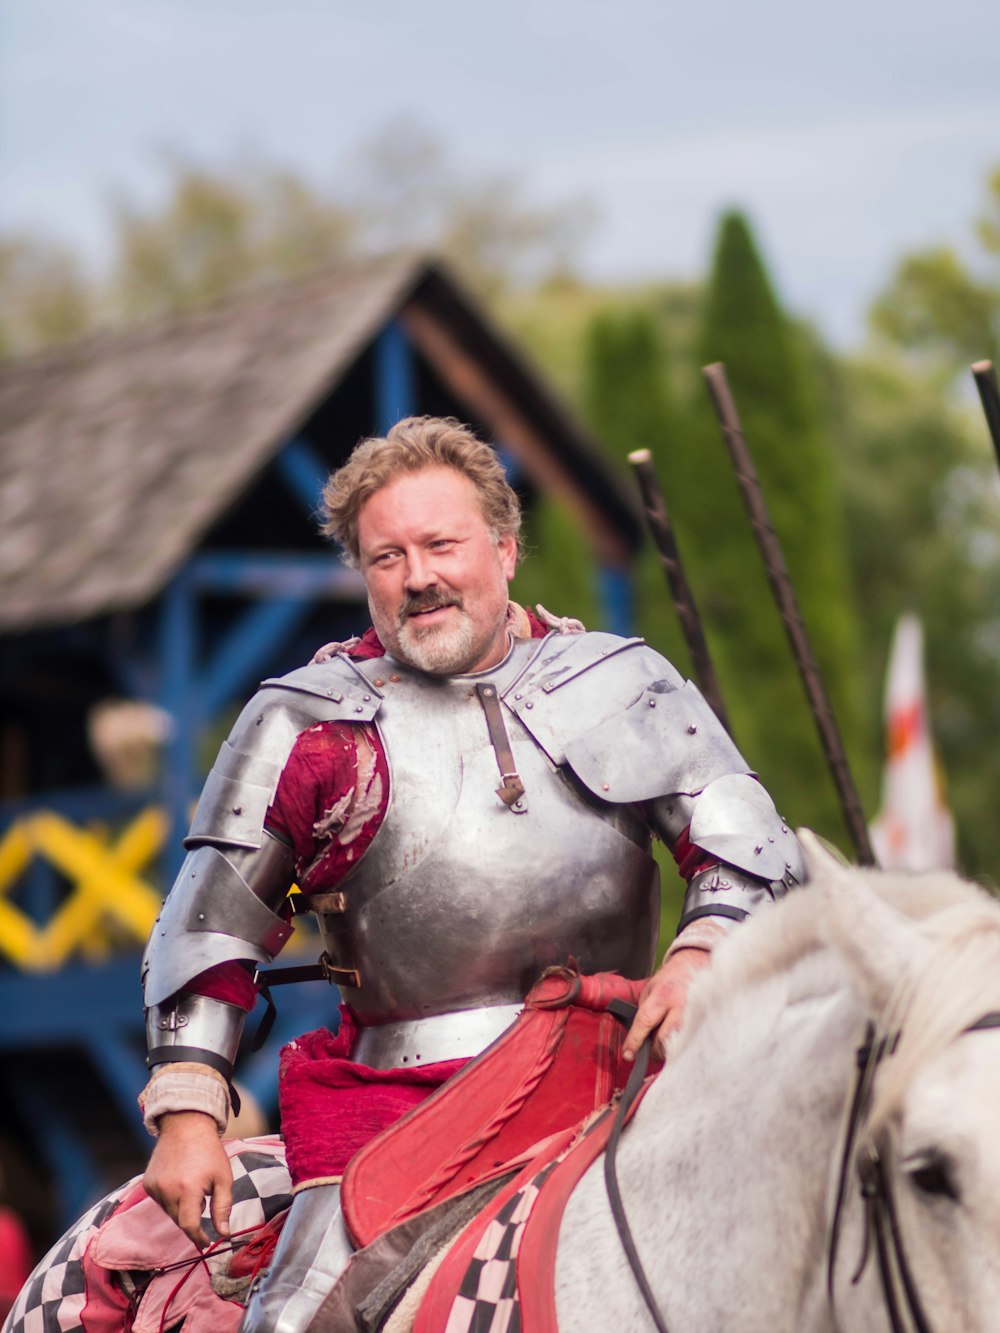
<point x="935" y="1175"/>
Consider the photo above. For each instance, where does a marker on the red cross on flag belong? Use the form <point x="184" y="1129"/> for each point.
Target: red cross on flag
<point x="913" y="830"/>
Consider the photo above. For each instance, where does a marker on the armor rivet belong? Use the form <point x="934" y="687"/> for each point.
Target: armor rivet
<point x="517" y="696"/>
<point x="237" y="809"/>
<point x="529" y="705"/>
<point x="770" y="840"/>
<point x="394" y="679"/>
<point x="260" y="719"/>
<point x="379" y="681"/>
<point x="757" y="850"/>
<point x="692" y="729"/>
<point x="605" y="787"/>
<point x="367" y="698"/>
<point x="652" y="703"/>
<point x="359" y="709"/>
<point x="201" y="916"/>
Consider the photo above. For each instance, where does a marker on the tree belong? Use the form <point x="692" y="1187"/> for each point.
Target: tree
<point x="942" y="306"/>
<point x="222" y="228"/>
<point x="45" y="297"/>
<point x="743" y="326"/>
<point x="629" y="405"/>
<point x="217" y="232"/>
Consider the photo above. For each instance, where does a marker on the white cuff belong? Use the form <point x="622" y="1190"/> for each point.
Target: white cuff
<point x="184" y="1087"/>
<point x="704" y="934"/>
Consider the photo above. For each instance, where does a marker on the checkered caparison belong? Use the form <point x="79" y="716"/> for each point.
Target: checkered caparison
<point x="487" y="1300"/>
<point x="52" y="1299"/>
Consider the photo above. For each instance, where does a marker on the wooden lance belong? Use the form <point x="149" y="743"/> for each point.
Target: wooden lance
<point x="661" y="530"/>
<point x="989" y="395"/>
<point x="781" y="585"/>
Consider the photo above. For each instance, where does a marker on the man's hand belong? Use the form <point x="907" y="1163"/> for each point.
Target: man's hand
<point x="661" y="1005"/>
<point x="188" y="1163"/>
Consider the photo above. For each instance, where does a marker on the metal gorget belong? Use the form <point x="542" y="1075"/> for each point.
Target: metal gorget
<point x="461" y="901"/>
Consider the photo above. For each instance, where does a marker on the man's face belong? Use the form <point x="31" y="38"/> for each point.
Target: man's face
<point x="436" y="580"/>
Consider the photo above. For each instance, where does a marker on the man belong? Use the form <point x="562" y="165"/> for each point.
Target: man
<point x="466" y="799"/>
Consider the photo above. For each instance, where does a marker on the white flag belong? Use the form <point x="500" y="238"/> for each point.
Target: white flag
<point x="913" y="830"/>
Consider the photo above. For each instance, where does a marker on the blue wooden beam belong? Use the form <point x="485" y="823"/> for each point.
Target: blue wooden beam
<point x="69" y="1007"/>
<point x="238" y="659"/>
<point x="253" y="574"/>
<point x="616" y="594"/>
<point x="178" y="695"/>
<point x="395" y="378"/>
<point x="303" y="472"/>
<point x="125" y="1073"/>
<point x="71" y="1164"/>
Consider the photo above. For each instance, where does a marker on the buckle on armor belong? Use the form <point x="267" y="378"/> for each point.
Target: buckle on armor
<point x="326" y="904"/>
<point x="173" y="1021"/>
<point x="339" y="976"/>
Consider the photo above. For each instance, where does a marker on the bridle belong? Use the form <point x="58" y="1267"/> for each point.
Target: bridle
<point x="899" y="1288"/>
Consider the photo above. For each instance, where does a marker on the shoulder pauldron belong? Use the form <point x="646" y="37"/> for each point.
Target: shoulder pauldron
<point x="622" y="718"/>
<point x="245" y="776"/>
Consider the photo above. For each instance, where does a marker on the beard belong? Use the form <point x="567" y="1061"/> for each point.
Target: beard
<point x="441" y="650"/>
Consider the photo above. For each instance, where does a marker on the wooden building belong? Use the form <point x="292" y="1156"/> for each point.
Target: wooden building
<point x="158" y="557"/>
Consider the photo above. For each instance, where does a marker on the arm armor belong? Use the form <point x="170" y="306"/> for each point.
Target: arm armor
<point x="223" y="908"/>
<point x="631" y="729"/>
<point x="225" y="905"/>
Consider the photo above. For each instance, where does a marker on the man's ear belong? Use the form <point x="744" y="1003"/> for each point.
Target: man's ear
<point x="507" y="552"/>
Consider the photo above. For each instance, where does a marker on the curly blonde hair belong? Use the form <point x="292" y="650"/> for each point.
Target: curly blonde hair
<point x="411" y="445"/>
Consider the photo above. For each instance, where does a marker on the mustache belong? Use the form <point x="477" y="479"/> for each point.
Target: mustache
<point x="431" y="599"/>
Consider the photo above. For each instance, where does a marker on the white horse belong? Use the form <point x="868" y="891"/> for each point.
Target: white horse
<point x="731" y="1170"/>
<point x="743" y="1200"/>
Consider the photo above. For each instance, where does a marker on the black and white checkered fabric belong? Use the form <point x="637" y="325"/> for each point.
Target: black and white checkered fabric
<point x="53" y="1298"/>
<point x="487" y="1300"/>
<point x="261" y="1190"/>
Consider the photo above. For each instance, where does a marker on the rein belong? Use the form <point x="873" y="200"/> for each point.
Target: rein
<point x="899" y="1289"/>
<point x="625" y="1013"/>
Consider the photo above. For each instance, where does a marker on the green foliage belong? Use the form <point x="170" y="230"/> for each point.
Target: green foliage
<point x="45" y="297"/>
<point x="217" y="232"/>
<point x="629" y="405"/>
<point x="560" y="570"/>
<point x="923" y="519"/>
<point x="744" y="328"/>
<point x="939" y="305"/>
<point x="220" y="229"/>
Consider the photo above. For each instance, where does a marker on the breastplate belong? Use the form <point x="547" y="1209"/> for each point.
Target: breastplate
<point x="459" y="901"/>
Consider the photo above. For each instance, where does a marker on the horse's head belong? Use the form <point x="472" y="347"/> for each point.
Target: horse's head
<point x="922" y="1165"/>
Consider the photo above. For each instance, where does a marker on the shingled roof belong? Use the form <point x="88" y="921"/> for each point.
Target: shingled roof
<point x="119" y="452"/>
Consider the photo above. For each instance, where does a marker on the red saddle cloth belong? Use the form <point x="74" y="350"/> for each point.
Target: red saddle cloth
<point x="556" y="1064"/>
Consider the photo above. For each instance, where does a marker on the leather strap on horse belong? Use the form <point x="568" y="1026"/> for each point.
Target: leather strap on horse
<point x="632" y="1088"/>
<point x="881" y="1217"/>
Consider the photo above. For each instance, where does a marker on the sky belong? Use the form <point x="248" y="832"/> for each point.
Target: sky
<point x="850" y="133"/>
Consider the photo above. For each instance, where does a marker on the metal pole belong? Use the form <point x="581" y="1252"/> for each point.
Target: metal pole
<point x="989" y="395"/>
<point x="781" y="584"/>
<point x="662" y="532"/>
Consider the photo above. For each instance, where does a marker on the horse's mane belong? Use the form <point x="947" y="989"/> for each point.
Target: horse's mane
<point x="950" y="977"/>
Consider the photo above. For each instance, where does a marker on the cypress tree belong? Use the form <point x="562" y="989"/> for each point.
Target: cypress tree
<point x="629" y="405"/>
<point x="744" y="327"/>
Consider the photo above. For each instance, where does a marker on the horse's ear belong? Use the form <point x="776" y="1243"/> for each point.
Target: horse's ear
<point x="880" y="946"/>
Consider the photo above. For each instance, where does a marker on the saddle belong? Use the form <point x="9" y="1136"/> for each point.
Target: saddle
<point x="553" y="1067"/>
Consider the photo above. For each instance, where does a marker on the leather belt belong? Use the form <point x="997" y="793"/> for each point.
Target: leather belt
<point x="424" y="1041"/>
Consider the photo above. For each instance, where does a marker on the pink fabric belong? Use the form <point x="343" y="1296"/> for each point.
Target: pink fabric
<point x="16" y="1261"/>
<point x="331" y="1107"/>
